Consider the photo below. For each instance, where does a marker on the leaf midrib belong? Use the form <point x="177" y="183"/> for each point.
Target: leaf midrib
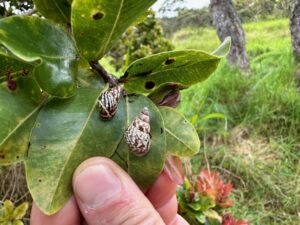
<point x="22" y="122"/>
<point x="166" y="70"/>
<point x="177" y="138"/>
<point x="103" y="49"/>
<point x="60" y="10"/>
<point x="73" y="148"/>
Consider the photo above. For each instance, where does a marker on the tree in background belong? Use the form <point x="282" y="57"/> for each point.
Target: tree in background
<point x="254" y="10"/>
<point x="295" y="29"/>
<point x="227" y="23"/>
<point x="143" y="39"/>
<point x="186" y="18"/>
<point x="295" y="33"/>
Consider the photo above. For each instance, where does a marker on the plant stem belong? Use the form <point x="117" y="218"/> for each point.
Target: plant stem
<point x="108" y="78"/>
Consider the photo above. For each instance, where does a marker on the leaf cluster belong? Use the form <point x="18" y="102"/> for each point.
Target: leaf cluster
<point x="11" y="215"/>
<point x="140" y="40"/>
<point x="203" y="201"/>
<point x="51" y="81"/>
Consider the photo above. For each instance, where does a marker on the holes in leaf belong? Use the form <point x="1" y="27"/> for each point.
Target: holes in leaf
<point x="149" y="85"/>
<point x="169" y="61"/>
<point x="17" y="157"/>
<point x="2" y="156"/>
<point x="40" y="180"/>
<point x="98" y="15"/>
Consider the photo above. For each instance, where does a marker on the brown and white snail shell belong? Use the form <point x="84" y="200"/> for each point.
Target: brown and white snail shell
<point x="137" y="135"/>
<point x="108" y="102"/>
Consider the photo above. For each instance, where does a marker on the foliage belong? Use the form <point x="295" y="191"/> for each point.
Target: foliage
<point x="228" y="219"/>
<point x="257" y="144"/>
<point x="209" y="184"/>
<point x="51" y="82"/>
<point x="145" y="38"/>
<point x="11" y="215"/>
<point x="203" y="201"/>
<point x="9" y="7"/>
<point x="254" y="10"/>
<point x="193" y="18"/>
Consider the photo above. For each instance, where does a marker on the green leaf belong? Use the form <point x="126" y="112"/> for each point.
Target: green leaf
<point x="12" y="67"/>
<point x="202" y="203"/>
<point x="210" y="221"/>
<point x="212" y="215"/>
<point x="200" y="217"/>
<point x="69" y="131"/>
<point x="18" y="222"/>
<point x="20" y="211"/>
<point x="8" y="209"/>
<point x="144" y="170"/>
<point x="212" y="116"/>
<point x="18" y="111"/>
<point x="182" y="138"/>
<point x="38" y="41"/>
<point x="186" y="67"/>
<point x="56" y="10"/>
<point x="97" y="25"/>
<point x="223" y="49"/>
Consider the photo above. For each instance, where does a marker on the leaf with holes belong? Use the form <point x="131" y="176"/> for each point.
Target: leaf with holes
<point x="56" y="10"/>
<point x="48" y="47"/>
<point x="182" y="138"/>
<point x="11" y="67"/>
<point x="69" y="131"/>
<point x="17" y="122"/>
<point x="185" y="68"/>
<point x="97" y="25"/>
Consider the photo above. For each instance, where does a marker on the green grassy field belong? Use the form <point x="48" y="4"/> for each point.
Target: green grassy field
<point x="250" y="126"/>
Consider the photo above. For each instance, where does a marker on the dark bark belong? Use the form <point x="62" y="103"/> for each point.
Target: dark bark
<point x="227" y="23"/>
<point x="295" y="29"/>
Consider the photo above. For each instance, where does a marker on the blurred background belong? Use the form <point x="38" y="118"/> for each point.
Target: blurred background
<point x="247" y="114"/>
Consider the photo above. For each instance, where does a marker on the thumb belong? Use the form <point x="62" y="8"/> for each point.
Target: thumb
<point x="107" y="195"/>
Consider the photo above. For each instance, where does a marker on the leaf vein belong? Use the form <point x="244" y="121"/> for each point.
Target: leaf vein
<point x="103" y="49"/>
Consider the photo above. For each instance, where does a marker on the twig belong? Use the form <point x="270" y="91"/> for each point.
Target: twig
<point x="108" y="78"/>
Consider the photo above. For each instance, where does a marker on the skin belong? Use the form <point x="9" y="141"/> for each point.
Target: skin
<point x="105" y="194"/>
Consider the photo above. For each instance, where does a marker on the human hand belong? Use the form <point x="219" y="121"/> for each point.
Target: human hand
<point x="105" y="194"/>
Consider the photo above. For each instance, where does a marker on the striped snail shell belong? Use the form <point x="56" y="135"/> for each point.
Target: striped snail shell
<point x="137" y="135"/>
<point x="108" y="102"/>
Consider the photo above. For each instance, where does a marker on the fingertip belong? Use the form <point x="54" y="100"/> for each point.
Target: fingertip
<point x="162" y="190"/>
<point x="68" y="215"/>
<point x="104" y="191"/>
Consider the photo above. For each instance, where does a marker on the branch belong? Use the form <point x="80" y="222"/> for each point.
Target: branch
<point x="108" y="78"/>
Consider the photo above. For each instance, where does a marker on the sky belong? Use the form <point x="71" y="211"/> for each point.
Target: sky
<point x="188" y="4"/>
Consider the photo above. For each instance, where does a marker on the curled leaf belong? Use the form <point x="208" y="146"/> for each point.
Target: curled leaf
<point x="47" y="47"/>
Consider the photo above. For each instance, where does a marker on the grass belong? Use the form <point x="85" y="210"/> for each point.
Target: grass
<point x="256" y="145"/>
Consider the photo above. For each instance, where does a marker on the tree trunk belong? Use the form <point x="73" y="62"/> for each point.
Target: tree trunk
<point x="227" y="23"/>
<point x="295" y="29"/>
